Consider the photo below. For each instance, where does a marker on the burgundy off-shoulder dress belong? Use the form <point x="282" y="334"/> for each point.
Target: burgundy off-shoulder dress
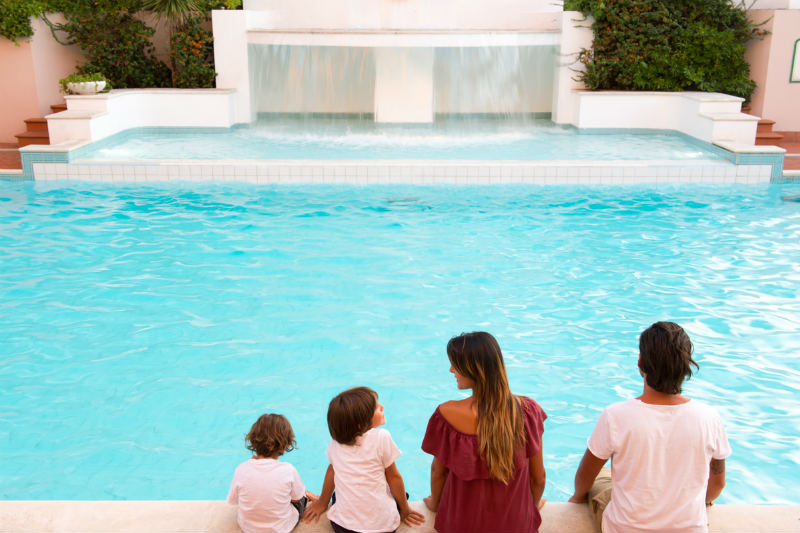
<point x="471" y="500"/>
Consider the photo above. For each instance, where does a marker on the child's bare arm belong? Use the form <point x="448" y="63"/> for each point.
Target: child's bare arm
<point x="398" y="488"/>
<point x="320" y="505"/>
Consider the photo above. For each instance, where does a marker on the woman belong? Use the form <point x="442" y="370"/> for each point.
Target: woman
<point x="487" y="472"/>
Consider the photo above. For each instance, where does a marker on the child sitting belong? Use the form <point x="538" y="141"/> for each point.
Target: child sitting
<point x="270" y="494"/>
<point x="370" y="494"/>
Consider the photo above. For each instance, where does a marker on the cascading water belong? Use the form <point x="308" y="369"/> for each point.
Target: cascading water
<point x="466" y="80"/>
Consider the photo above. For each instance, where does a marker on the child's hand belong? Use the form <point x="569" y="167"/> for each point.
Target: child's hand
<point x="314" y="511"/>
<point x="311" y="496"/>
<point x="429" y="504"/>
<point x="412" y="518"/>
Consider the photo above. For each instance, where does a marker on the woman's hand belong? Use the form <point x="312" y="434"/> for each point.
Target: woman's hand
<point x="411" y="517"/>
<point x="314" y="511"/>
<point x="430" y="504"/>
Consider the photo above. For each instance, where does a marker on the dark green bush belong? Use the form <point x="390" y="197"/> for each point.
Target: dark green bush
<point x="118" y="46"/>
<point x="667" y="45"/>
<point x="192" y="50"/>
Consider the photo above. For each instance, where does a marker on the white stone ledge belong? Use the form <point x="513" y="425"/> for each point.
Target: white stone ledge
<point x="218" y="516"/>
<point x="404" y="38"/>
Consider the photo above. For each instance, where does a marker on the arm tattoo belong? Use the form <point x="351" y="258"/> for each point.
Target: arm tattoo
<point x="717" y="466"/>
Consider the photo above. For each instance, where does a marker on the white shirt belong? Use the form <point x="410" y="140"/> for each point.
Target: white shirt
<point x="363" y="499"/>
<point x="660" y="457"/>
<point x="264" y="489"/>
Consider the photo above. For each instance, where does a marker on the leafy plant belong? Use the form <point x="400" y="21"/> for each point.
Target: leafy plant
<point x="667" y="45"/>
<point x="82" y="78"/>
<point x="192" y="55"/>
<point x="15" y="17"/>
<point x="118" y="45"/>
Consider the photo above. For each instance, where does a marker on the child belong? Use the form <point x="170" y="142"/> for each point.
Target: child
<point x="370" y="494"/>
<point x="270" y="494"/>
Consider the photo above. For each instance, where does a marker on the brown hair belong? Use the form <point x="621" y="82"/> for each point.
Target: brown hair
<point x="500" y="426"/>
<point x="350" y="414"/>
<point x="665" y="357"/>
<point x="271" y="435"/>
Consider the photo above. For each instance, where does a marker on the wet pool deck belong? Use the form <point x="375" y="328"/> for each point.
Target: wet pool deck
<point x="218" y="516"/>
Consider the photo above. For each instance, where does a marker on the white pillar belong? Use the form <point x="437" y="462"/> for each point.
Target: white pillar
<point x="230" y="58"/>
<point x="576" y="34"/>
<point x="403" y="84"/>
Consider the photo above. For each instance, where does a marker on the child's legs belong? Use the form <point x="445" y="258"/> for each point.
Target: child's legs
<point x="600" y="496"/>
<point x="339" y="529"/>
<point x="300" y="505"/>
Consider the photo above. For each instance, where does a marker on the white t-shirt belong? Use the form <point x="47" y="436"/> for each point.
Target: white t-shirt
<point x="660" y="457"/>
<point x="264" y="489"/>
<point x="363" y="499"/>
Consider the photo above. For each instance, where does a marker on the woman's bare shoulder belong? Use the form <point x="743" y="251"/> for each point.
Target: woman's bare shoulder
<point x="460" y="414"/>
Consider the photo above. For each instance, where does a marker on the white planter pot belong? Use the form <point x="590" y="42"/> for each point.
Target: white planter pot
<point x="86" y="87"/>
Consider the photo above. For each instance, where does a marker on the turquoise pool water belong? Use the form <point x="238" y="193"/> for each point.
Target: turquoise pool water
<point x="486" y="138"/>
<point x="144" y="328"/>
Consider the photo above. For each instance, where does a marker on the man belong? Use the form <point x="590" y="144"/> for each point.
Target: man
<point x="667" y="451"/>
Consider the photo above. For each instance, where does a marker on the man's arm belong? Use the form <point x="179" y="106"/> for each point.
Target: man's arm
<point x="716" y="480"/>
<point x="587" y="471"/>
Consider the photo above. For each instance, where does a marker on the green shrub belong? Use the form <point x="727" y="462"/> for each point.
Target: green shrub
<point x="192" y="51"/>
<point x="117" y="45"/>
<point x="667" y="45"/>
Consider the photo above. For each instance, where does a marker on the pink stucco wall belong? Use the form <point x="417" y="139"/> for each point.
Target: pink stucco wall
<point x="18" y="99"/>
<point x="770" y="64"/>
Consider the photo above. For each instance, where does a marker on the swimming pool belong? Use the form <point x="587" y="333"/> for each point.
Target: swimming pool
<point x="488" y="138"/>
<point x="146" y="327"/>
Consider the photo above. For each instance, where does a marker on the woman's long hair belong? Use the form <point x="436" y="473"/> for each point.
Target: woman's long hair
<point x="500" y="426"/>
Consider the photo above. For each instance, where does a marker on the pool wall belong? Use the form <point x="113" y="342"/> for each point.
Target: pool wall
<point x="705" y="117"/>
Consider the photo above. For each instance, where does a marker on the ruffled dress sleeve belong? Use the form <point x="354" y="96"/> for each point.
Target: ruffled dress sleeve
<point x="534" y="426"/>
<point x="456" y="451"/>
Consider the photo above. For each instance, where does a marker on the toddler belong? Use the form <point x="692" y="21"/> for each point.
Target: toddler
<point x="370" y="494"/>
<point x="270" y="494"/>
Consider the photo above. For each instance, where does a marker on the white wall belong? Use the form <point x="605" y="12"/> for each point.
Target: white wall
<point x="90" y="118"/>
<point x="406" y="14"/>
<point x="710" y="117"/>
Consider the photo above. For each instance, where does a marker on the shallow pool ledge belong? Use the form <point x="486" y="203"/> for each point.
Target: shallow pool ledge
<point x="218" y="516"/>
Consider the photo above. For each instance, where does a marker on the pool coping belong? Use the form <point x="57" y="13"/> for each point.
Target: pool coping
<point x="218" y="516"/>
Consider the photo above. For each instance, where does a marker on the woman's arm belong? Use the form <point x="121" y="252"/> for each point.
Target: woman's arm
<point x="584" y="478"/>
<point x="439" y="474"/>
<point x="538" y="477"/>
<point x="398" y="488"/>
<point x="320" y="505"/>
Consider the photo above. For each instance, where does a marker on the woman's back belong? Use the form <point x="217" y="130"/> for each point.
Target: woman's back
<point x="472" y="500"/>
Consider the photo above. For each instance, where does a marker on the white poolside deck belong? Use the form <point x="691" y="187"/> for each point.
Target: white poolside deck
<point x="218" y="516"/>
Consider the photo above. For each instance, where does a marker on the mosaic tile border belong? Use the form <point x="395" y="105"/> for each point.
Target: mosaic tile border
<point x="416" y="172"/>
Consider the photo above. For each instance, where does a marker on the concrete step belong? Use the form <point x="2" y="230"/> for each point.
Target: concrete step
<point x="765" y="125"/>
<point x="57" y="108"/>
<point x="32" y="137"/>
<point x="36" y="124"/>
<point x="764" y="139"/>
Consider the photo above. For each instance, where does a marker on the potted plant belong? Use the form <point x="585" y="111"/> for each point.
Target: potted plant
<point x="84" y="84"/>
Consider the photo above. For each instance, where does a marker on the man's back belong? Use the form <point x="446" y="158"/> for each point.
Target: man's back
<point x="660" y="458"/>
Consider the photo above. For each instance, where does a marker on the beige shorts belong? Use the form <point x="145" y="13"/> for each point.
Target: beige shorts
<point x="599" y="496"/>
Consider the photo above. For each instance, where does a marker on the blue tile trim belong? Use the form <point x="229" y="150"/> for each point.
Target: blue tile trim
<point x="29" y="158"/>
